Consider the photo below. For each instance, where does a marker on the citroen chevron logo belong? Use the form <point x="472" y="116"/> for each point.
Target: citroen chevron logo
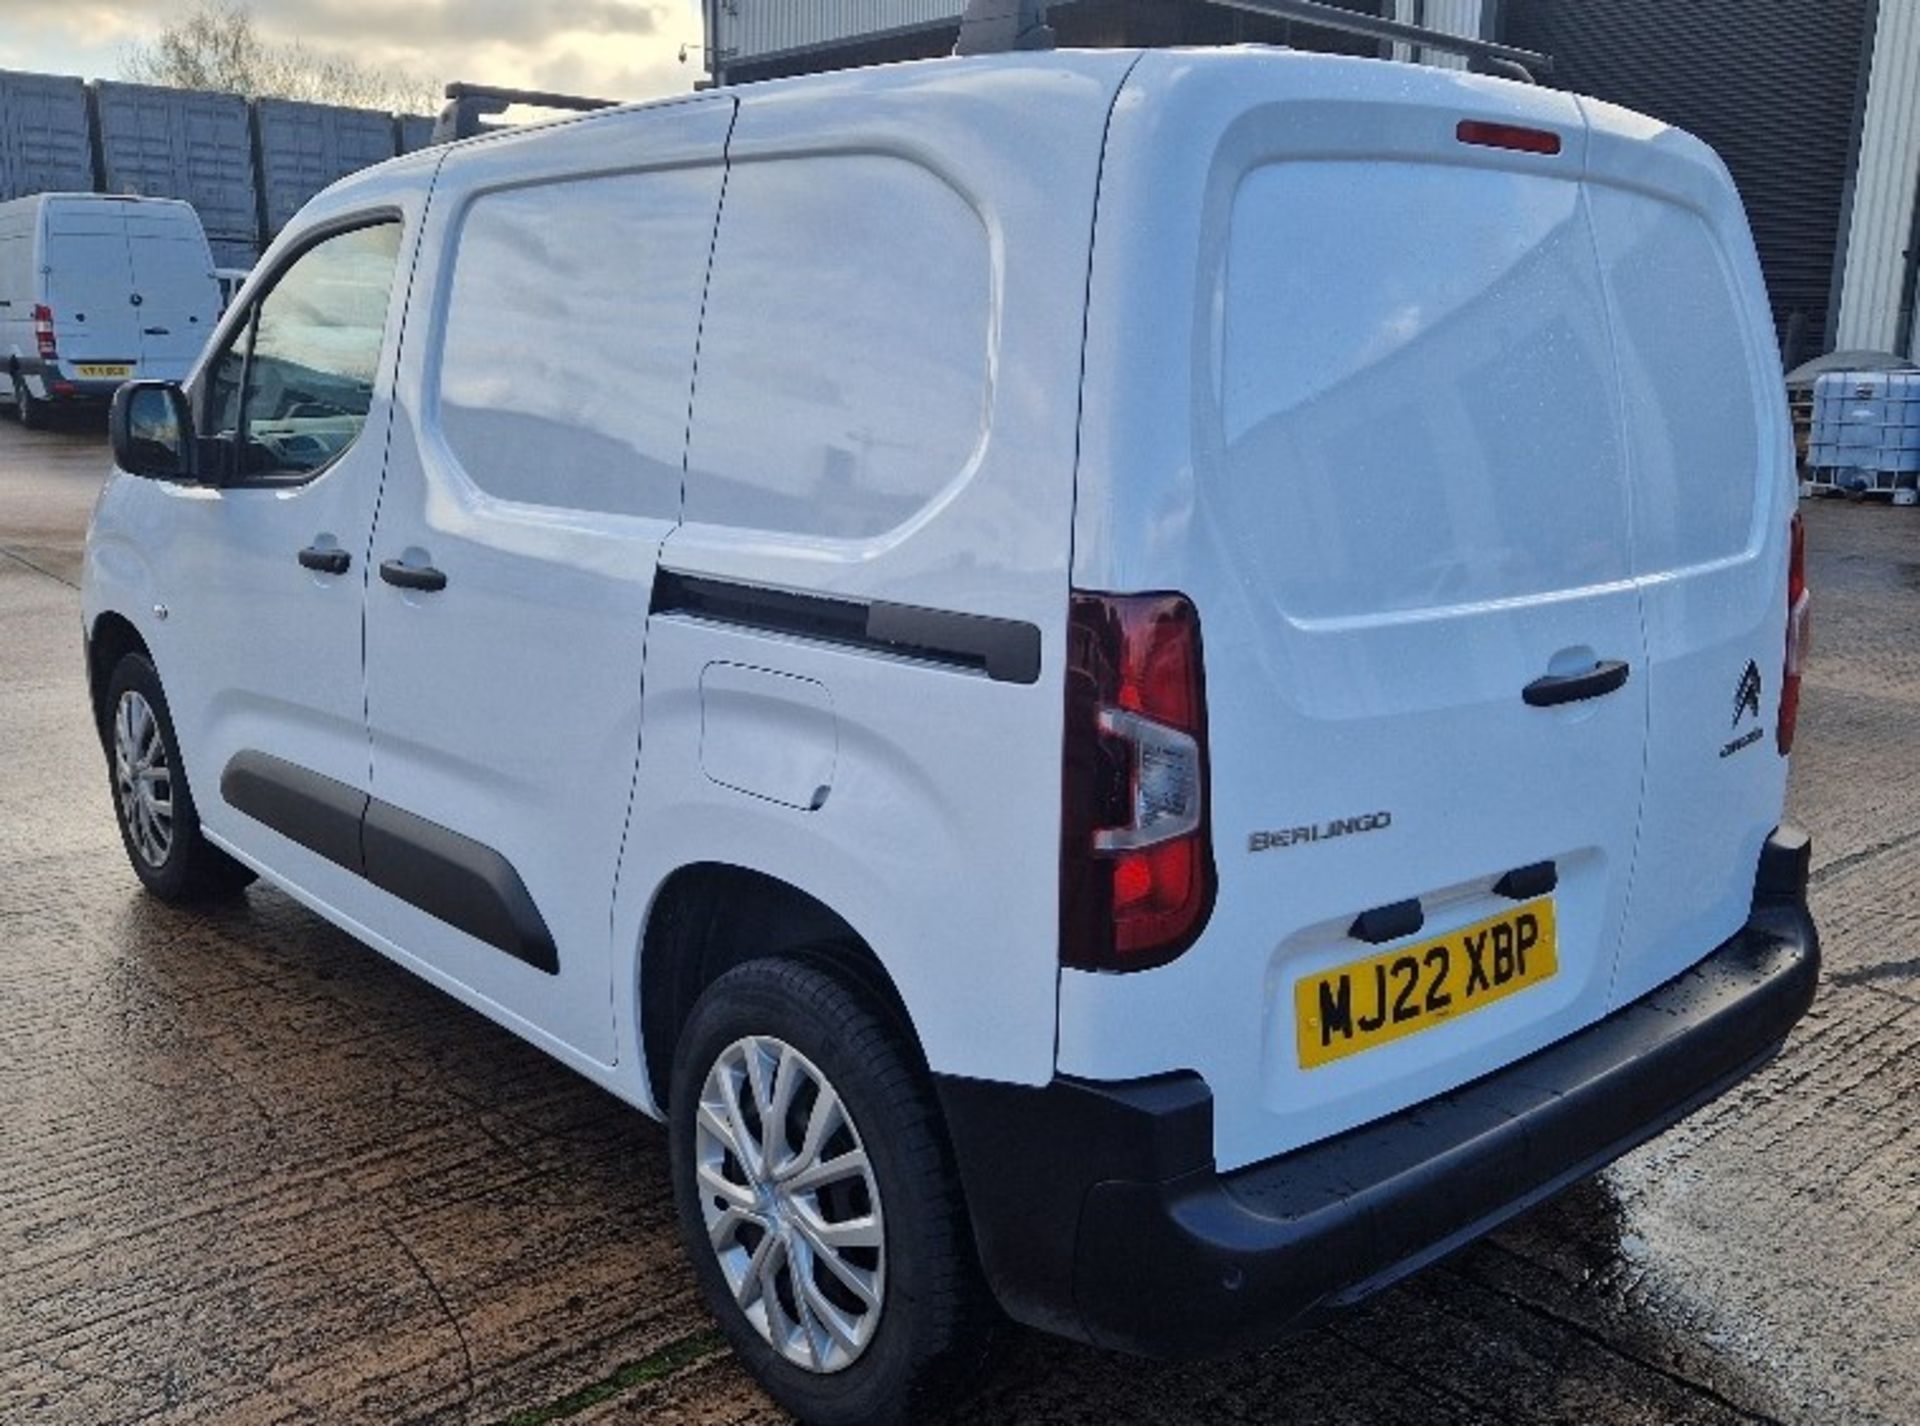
<point x="1746" y="698"/>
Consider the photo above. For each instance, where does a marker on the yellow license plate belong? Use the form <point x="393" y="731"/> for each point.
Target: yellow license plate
<point x="1397" y="993"/>
<point x="101" y="370"/>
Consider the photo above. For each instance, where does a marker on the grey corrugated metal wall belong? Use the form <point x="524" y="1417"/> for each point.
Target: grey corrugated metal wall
<point x="1876" y="296"/>
<point x="749" y="29"/>
<point x="1771" y="84"/>
<point x="43" y="143"/>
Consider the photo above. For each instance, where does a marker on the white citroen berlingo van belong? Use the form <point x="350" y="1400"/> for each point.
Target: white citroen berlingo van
<point x="1150" y="686"/>
<point x="96" y="290"/>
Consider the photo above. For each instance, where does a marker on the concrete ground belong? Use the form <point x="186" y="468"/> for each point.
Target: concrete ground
<point x="250" y="1172"/>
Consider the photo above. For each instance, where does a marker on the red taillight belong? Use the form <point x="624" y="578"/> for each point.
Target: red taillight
<point x="1799" y="631"/>
<point x="1507" y="136"/>
<point x="43" y="331"/>
<point x="1136" y="865"/>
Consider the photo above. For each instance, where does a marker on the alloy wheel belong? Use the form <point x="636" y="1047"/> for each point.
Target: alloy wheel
<point x="143" y="778"/>
<point x="791" y="1207"/>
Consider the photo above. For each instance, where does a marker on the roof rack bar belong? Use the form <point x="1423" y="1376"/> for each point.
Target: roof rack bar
<point x="468" y="104"/>
<point x="1331" y="17"/>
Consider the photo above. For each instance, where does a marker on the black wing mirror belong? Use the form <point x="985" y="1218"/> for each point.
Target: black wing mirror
<point x="151" y="427"/>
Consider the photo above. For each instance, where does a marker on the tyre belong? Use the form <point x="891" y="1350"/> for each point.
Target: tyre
<point x="818" y="1199"/>
<point x="151" y="800"/>
<point x="28" y="409"/>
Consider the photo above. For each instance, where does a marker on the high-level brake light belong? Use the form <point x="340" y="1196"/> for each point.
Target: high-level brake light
<point x="1487" y="135"/>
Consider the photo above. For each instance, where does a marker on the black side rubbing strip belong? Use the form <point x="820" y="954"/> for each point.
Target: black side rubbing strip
<point x="1005" y="650"/>
<point x="458" y="880"/>
<point x="462" y="882"/>
<point x="319" y="813"/>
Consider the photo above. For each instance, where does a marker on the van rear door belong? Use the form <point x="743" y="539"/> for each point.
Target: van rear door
<point x="1376" y="440"/>
<point x="173" y="278"/>
<point x="90" y="286"/>
<point x="1713" y="487"/>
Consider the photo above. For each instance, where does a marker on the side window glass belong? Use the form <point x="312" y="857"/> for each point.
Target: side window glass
<point x="293" y="386"/>
<point x="566" y="363"/>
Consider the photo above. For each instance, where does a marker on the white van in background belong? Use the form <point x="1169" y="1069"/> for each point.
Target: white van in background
<point x="96" y="290"/>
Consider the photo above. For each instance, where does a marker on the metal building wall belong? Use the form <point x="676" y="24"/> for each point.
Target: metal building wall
<point x="183" y="143"/>
<point x="1877" y="290"/>
<point x="43" y="135"/>
<point x="753" y="29"/>
<point x="1465" y="18"/>
<point x="304" y="147"/>
<point x="1771" y="84"/>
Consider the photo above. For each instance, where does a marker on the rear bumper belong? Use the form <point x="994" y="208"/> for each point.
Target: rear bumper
<point x="1099" y="1214"/>
<point x="49" y="381"/>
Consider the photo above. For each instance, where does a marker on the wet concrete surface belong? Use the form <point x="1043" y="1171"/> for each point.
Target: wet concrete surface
<point x="250" y="1172"/>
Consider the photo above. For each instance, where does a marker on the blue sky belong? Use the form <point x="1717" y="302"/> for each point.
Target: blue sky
<point x="619" y="49"/>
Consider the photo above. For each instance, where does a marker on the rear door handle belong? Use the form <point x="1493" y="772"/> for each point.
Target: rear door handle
<point x="413" y="576"/>
<point x="333" y="561"/>
<point x="156" y="331"/>
<point x="1603" y="678"/>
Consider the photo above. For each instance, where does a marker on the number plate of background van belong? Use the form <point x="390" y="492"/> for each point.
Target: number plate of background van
<point x="92" y="369"/>
<point x="1354" y="1007"/>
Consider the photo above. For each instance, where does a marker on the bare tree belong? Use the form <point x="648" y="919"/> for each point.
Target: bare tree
<point x="215" y="46"/>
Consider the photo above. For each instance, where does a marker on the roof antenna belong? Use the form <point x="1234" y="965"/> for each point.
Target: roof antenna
<point x="996" y="26"/>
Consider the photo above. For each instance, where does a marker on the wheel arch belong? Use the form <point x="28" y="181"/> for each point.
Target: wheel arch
<point x="708" y="917"/>
<point x="112" y="637"/>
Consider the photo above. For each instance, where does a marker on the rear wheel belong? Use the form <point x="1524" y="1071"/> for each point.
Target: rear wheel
<point x="818" y="1200"/>
<point x="28" y="409"/>
<point x="159" y="825"/>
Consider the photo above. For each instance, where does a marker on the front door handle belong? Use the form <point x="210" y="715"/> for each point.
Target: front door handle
<point x="1603" y="678"/>
<point x="413" y="576"/>
<point x="331" y="561"/>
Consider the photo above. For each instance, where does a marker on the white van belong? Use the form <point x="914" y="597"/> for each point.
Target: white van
<point x="1150" y="686"/>
<point x="96" y="290"/>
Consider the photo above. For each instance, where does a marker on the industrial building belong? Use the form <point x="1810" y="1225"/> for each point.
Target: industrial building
<point x="1815" y="107"/>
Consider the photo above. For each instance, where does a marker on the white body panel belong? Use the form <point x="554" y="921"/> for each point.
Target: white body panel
<point x="537" y="463"/>
<point x="939" y="841"/>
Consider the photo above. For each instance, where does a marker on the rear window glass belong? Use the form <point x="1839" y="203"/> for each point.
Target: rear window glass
<point x="1415" y="388"/>
<point x="843" y="362"/>
<point x="1686" y="371"/>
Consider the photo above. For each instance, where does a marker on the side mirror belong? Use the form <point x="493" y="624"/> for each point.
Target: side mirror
<point x="151" y="428"/>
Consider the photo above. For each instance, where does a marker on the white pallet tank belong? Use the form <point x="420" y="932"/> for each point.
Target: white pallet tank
<point x="1866" y="433"/>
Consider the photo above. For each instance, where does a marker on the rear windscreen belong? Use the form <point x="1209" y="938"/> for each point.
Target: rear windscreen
<point x="1414" y="387"/>
<point x="1687" y="381"/>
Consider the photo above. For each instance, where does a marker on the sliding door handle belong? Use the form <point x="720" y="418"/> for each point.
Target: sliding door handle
<point x="1603" y="678"/>
<point x="329" y="561"/>
<point x="423" y="577"/>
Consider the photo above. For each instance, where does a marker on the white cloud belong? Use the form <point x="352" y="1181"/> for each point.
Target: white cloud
<point x="617" y="49"/>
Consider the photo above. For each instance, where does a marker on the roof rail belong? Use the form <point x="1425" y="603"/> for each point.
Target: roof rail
<point x="995" y="26"/>
<point x="1491" y="57"/>
<point x="468" y="104"/>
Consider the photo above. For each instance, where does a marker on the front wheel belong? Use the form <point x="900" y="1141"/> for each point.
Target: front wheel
<point x="818" y="1200"/>
<point x="159" y="825"/>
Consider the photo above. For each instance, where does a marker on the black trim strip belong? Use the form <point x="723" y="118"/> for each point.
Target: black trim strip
<point x="321" y="814"/>
<point x="451" y="877"/>
<point x="1005" y="650"/>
